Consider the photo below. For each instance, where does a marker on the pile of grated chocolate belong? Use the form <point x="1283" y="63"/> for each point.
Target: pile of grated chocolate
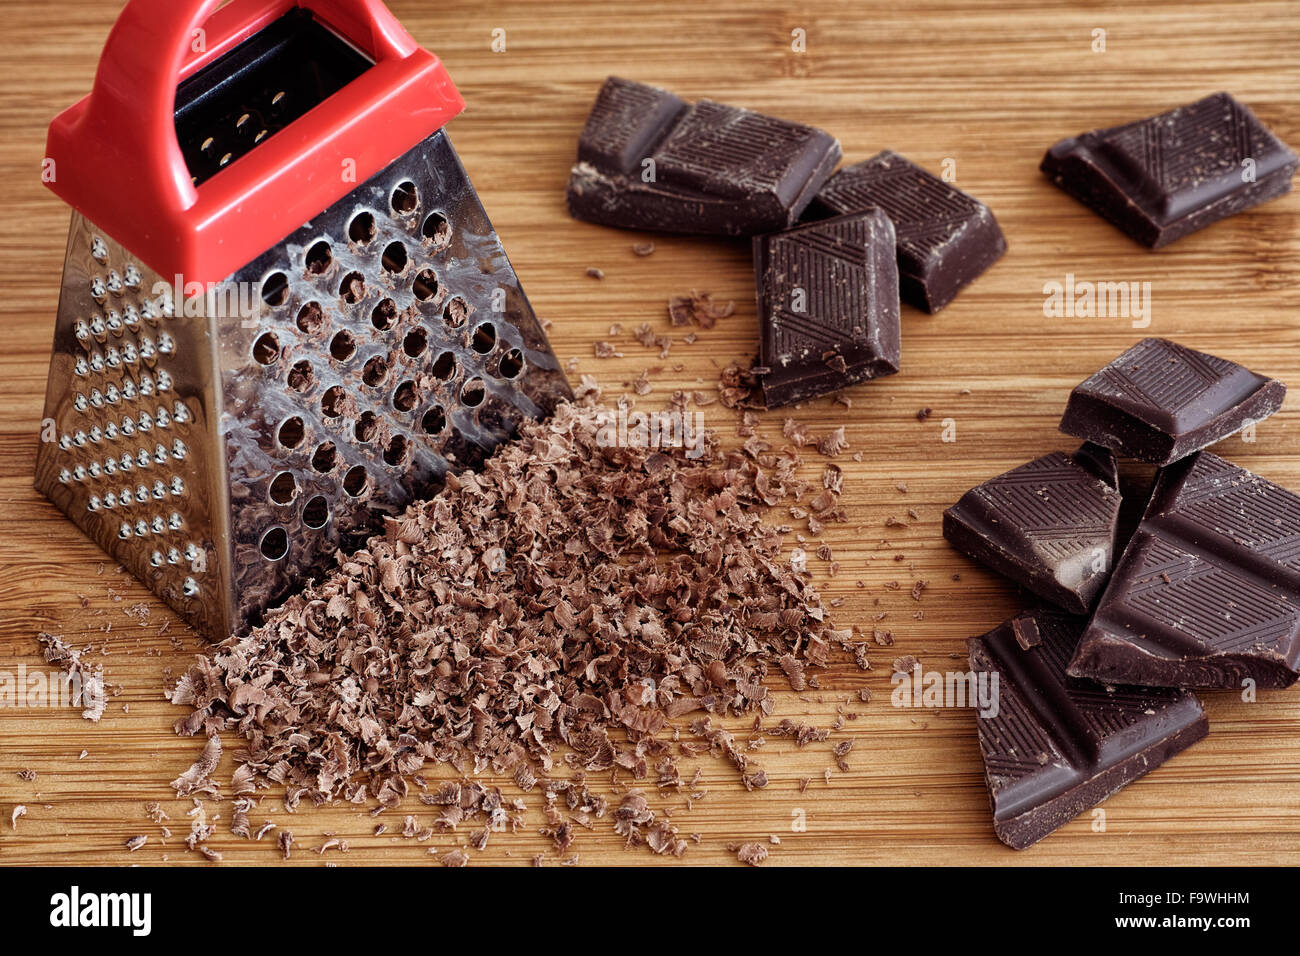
<point x="571" y="596"/>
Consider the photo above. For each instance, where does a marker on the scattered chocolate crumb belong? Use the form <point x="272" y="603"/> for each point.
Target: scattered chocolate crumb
<point x="923" y="414"/>
<point x="605" y="350"/>
<point x="906" y="664"/>
<point x="19" y="811"/>
<point x="595" y="273"/>
<point x="750" y="853"/>
<point x="453" y="858"/>
<point x="196" y="778"/>
<point x="136" y="842"/>
<point x="285" y="842"/>
<point x="643" y="248"/>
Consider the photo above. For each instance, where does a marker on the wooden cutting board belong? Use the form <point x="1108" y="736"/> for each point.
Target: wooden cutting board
<point x="987" y="86"/>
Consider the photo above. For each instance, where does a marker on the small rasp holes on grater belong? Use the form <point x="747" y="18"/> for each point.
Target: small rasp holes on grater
<point x="384" y="315"/>
<point x="416" y="341"/>
<point x="455" y="312"/>
<point x="375" y="371"/>
<point x="301" y="377"/>
<point x="484" y="339"/>
<point x="434" y="421"/>
<point x="284" y="488"/>
<point x="406" y="397"/>
<point x="405" y="198"/>
<point x="395" y="258"/>
<point x="325" y="458"/>
<point x="311" y="318"/>
<point x="425" y="286"/>
<point x="354" y="482"/>
<point x="366" y="427"/>
<point x="266" y="349"/>
<point x="292" y="432"/>
<point x="343" y="346"/>
<point x="362" y="228"/>
<point x="275" y="289"/>
<point x="275" y="544"/>
<point x="353" y="288"/>
<point x="319" y="258"/>
<point x="316" y="513"/>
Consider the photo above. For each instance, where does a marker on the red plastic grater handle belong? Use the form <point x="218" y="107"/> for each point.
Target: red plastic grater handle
<point x="118" y="162"/>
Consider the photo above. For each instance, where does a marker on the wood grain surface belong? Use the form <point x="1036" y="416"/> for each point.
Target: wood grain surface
<point x="986" y="85"/>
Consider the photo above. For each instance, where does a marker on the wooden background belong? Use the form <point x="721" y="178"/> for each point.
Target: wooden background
<point x="988" y="85"/>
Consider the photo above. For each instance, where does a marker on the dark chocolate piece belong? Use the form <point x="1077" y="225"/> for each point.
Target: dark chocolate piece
<point x="1207" y="593"/>
<point x="1049" y="525"/>
<point x="1055" y="745"/>
<point x="1160" y="401"/>
<point x="946" y="239"/>
<point x="648" y="160"/>
<point x="827" y="305"/>
<point x="1159" y="179"/>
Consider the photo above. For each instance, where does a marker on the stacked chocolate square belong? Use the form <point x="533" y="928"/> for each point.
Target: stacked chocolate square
<point x="1096" y="688"/>
<point x="833" y="254"/>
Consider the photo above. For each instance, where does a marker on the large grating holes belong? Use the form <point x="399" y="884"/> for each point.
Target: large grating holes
<point x="292" y="431"/>
<point x="301" y="376"/>
<point x="319" y="258"/>
<point x="455" y="312"/>
<point x="316" y="513"/>
<point x="362" y="228"/>
<point x="325" y="458"/>
<point x="394" y="258"/>
<point x="444" y="367"/>
<point x="472" y="393"/>
<point x="484" y="339"/>
<point x="343" y="346"/>
<point x="275" y="289"/>
<point x="396" y="451"/>
<point x="434" y="421"/>
<point x="437" y="229"/>
<point x="375" y="371"/>
<point x="332" y="402"/>
<point x="266" y="349"/>
<point x="366" y="427"/>
<point x="311" y="318"/>
<point x="283" y="488"/>
<point x="405" y="198"/>
<point x="416" y="341"/>
<point x="406" y="397"/>
<point x="512" y="363"/>
<point x="384" y="315"/>
<point x="425" y="286"/>
<point x="354" y="482"/>
<point x="275" y="544"/>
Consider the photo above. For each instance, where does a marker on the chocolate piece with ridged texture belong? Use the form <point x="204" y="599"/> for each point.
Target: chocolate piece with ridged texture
<point x="1160" y="401"/>
<point x="1207" y="593"/>
<point x="1160" y="178"/>
<point x="946" y="238"/>
<point x="827" y="305"/>
<point x="1049" y="525"/>
<point x="648" y="160"/>
<point x="1055" y="746"/>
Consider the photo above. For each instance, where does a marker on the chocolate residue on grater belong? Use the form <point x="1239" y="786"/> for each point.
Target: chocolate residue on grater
<point x="572" y="594"/>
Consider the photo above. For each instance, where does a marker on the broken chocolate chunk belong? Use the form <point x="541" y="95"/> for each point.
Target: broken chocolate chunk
<point x="1053" y="745"/>
<point x="648" y="160"/>
<point x="1160" y="178"/>
<point x="946" y="239"/>
<point x="828" y="306"/>
<point x="1160" y="401"/>
<point x="1207" y="593"/>
<point x="1049" y="525"/>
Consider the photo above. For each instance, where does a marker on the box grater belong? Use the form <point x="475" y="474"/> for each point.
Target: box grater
<point x="284" y="311"/>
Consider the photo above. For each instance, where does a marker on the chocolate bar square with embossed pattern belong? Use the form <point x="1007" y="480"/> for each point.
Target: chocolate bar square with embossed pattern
<point x="1207" y="593"/>
<point x="946" y="238"/>
<point x="1053" y="745"/>
<point x="649" y="160"/>
<point x="1160" y="401"/>
<point x="1049" y="525"/>
<point x="827" y="306"/>
<point x="1160" y="178"/>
